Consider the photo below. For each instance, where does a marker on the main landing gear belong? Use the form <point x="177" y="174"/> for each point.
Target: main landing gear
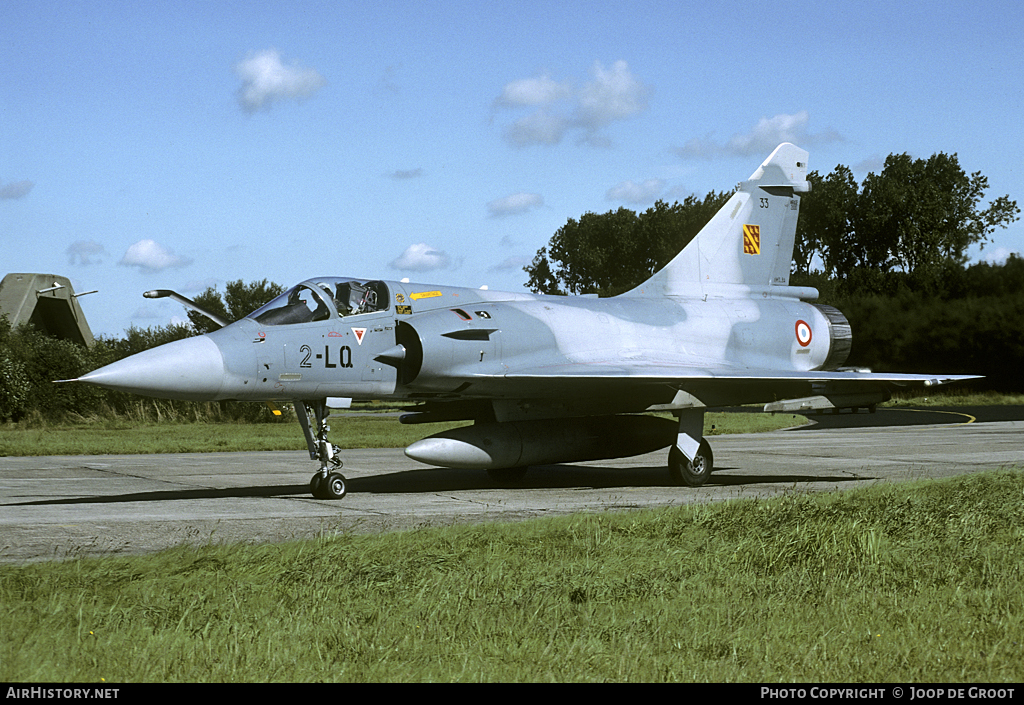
<point x="326" y="483"/>
<point x="690" y="460"/>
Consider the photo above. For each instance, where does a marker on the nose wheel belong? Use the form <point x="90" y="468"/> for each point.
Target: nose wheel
<point x="330" y="487"/>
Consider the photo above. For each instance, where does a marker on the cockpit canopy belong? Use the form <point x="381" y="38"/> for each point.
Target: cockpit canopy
<point x="321" y="299"/>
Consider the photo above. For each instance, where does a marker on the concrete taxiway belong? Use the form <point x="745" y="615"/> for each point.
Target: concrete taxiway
<point x="67" y="506"/>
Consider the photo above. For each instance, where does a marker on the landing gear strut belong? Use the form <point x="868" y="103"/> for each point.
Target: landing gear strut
<point x="326" y="483"/>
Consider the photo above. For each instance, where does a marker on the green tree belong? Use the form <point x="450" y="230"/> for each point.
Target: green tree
<point x="138" y="339"/>
<point x="613" y="252"/>
<point x="15" y="387"/>
<point x="825" y="226"/>
<point x="30" y="362"/>
<point x="542" y="279"/>
<point x="239" y="300"/>
<point x="590" y="253"/>
<point x="925" y="213"/>
<point x="916" y="218"/>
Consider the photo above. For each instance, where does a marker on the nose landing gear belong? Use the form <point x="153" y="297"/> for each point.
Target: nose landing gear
<point x="326" y="483"/>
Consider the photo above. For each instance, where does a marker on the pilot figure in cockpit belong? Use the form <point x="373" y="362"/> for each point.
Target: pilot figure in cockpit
<point x="352" y="298"/>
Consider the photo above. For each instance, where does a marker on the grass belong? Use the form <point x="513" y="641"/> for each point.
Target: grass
<point x="896" y="583"/>
<point x="957" y="396"/>
<point x="179" y="437"/>
<point x="114" y="436"/>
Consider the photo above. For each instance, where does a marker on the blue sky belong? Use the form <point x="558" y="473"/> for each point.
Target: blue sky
<point x="184" y="144"/>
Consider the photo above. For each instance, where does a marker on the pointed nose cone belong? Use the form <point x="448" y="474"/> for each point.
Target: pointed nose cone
<point x="191" y="369"/>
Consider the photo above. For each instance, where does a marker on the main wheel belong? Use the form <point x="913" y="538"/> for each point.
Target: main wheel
<point x="691" y="474"/>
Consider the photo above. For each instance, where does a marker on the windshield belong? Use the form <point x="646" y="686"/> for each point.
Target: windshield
<point x="321" y="299"/>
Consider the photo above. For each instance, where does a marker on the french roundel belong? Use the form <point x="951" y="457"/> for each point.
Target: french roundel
<point x="803" y="333"/>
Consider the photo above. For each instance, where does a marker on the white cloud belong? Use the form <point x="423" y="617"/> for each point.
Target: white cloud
<point x="998" y="256"/>
<point x="402" y="174"/>
<point x="540" y="127"/>
<point x="873" y="164"/>
<point x="769" y="133"/>
<point x="510" y="263"/>
<point x="761" y="139"/>
<point x="610" y="95"/>
<point x="83" y="251"/>
<point x="388" y="82"/>
<point x="533" y="92"/>
<point x="421" y="257"/>
<point x="631" y="192"/>
<point x="515" y="204"/>
<point x="196" y="286"/>
<point x="265" y="80"/>
<point x="15" y="190"/>
<point x="150" y="312"/>
<point x="152" y="256"/>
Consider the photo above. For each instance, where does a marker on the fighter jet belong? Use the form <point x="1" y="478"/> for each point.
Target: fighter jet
<point x="545" y="379"/>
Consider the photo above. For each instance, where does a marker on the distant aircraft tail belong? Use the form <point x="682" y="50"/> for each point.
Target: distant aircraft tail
<point x="748" y="244"/>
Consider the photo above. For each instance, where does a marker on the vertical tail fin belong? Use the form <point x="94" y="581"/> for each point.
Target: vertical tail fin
<point x="748" y="244"/>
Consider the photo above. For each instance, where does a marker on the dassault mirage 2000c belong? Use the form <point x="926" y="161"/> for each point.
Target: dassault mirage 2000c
<point x="545" y="379"/>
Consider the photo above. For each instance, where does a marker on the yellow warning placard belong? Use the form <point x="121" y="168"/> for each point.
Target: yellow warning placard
<point x="424" y="295"/>
<point x="751" y="239"/>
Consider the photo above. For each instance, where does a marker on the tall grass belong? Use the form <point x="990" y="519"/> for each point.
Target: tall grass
<point x="905" y="583"/>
